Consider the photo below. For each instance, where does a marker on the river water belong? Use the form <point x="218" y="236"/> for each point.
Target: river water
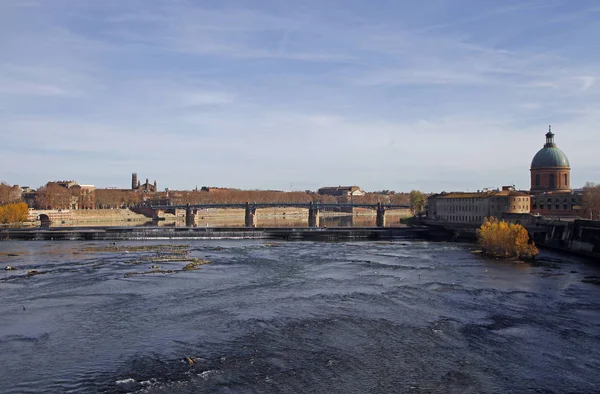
<point x="294" y="317"/>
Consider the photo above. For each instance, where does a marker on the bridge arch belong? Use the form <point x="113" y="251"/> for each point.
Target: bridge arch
<point x="45" y="220"/>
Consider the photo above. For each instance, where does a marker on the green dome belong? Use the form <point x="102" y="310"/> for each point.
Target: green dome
<point x="550" y="155"/>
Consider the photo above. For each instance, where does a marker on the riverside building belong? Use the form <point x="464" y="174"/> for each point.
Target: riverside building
<point x="474" y="207"/>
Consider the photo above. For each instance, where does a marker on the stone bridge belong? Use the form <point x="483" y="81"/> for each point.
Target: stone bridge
<point x="250" y="210"/>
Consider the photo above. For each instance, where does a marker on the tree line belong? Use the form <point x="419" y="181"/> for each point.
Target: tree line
<point x="54" y="196"/>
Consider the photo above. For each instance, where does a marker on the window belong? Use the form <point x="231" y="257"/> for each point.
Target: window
<point x="537" y="179"/>
<point x="565" y="207"/>
<point x="552" y="181"/>
<point x="566" y="179"/>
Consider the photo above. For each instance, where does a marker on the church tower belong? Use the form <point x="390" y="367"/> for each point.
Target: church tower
<point x="134" y="181"/>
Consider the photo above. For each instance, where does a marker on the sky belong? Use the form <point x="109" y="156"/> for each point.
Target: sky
<point x="435" y="95"/>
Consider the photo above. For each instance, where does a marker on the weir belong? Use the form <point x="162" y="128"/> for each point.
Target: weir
<point x="294" y="233"/>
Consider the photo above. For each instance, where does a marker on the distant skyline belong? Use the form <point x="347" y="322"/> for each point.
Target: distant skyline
<point x="437" y="95"/>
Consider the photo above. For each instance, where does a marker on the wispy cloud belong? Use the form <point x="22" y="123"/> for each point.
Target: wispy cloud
<point x="309" y="93"/>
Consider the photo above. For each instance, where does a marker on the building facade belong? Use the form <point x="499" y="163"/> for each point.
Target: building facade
<point x="465" y="207"/>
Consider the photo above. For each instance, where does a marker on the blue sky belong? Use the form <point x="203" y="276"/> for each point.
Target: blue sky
<point x="432" y="95"/>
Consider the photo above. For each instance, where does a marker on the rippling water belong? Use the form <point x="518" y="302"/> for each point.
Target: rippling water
<point x="400" y="316"/>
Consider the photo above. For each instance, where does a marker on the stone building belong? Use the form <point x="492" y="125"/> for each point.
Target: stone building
<point x="341" y="191"/>
<point x="551" y="182"/>
<point x="465" y="207"/>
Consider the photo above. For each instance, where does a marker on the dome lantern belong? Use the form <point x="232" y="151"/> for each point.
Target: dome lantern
<point x="550" y="139"/>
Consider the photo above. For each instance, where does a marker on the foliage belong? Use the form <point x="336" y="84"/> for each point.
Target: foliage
<point x="14" y="213"/>
<point x="591" y="200"/>
<point x="115" y="198"/>
<point x="502" y="239"/>
<point x="53" y="196"/>
<point x="417" y="201"/>
<point x="9" y="194"/>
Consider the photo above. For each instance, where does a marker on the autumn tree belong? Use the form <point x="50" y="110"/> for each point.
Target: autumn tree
<point x="417" y="201"/>
<point x="501" y="239"/>
<point x="14" y="213"/>
<point x="591" y="200"/>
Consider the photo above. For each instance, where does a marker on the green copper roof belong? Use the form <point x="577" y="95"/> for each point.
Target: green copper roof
<point x="550" y="157"/>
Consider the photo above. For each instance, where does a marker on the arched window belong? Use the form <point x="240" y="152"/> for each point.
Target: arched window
<point x="552" y="182"/>
<point x="566" y="180"/>
<point x="537" y="179"/>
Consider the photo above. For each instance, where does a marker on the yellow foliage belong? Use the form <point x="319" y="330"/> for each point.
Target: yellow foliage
<point x="499" y="238"/>
<point x="14" y="213"/>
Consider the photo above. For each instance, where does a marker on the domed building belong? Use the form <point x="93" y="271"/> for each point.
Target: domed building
<point x="551" y="182"/>
<point x="550" y="168"/>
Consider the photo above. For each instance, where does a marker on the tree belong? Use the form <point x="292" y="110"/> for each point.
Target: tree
<point x="591" y="200"/>
<point x="9" y="194"/>
<point x="417" y="201"/>
<point x="53" y="196"/>
<point x="14" y="213"/>
<point x="502" y="239"/>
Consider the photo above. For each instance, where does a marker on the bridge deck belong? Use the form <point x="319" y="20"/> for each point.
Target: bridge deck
<point x="280" y="205"/>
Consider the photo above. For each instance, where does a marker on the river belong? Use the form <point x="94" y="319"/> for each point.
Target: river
<point x="294" y="317"/>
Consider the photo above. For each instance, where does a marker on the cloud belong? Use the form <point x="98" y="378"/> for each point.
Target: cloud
<point x="397" y="97"/>
<point x="27" y="88"/>
<point x="206" y="98"/>
<point x="587" y="82"/>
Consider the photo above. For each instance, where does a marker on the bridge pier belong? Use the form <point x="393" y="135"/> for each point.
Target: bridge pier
<point x="380" y="221"/>
<point x="313" y="216"/>
<point x="250" y="216"/>
<point x="190" y="217"/>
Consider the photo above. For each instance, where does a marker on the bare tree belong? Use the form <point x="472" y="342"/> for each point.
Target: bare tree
<point x="591" y="200"/>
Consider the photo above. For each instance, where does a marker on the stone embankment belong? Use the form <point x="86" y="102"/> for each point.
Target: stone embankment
<point x="581" y="237"/>
<point x="96" y="217"/>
